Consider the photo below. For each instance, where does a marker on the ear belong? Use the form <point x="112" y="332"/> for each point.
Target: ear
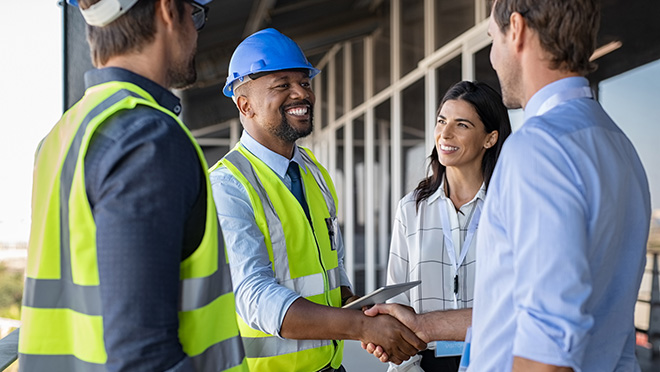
<point x="166" y="11"/>
<point x="491" y="139"/>
<point x="517" y="30"/>
<point x="244" y="106"/>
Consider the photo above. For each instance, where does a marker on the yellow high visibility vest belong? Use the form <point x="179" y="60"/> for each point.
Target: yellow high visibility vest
<point x="304" y="259"/>
<point x="62" y="325"/>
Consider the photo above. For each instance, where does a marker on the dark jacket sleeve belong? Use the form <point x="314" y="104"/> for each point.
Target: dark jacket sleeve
<point x="143" y="179"/>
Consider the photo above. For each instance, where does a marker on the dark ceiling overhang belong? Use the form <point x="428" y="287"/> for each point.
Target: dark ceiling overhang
<point x="317" y="25"/>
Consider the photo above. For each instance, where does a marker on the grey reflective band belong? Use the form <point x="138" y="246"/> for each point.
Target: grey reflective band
<point x="195" y="293"/>
<point x="334" y="278"/>
<point x="275" y="229"/>
<point x="263" y="347"/>
<point x="320" y="180"/>
<point x="63" y="293"/>
<point x="221" y="356"/>
<point x="69" y="363"/>
<point x="306" y="286"/>
<point x="312" y="285"/>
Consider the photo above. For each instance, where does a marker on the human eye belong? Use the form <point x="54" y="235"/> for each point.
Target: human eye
<point x="441" y="121"/>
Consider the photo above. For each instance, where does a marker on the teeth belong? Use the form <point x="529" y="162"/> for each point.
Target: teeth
<point x="299" y="111"/>
<point x="448" y="148"/>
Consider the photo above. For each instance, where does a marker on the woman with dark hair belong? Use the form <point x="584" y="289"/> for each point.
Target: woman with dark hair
<point x="435" y="225"/>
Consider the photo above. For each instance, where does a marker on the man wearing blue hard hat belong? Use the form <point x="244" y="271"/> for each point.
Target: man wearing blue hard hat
<point x="126" y="262"/>
<point x="277" y="207"/>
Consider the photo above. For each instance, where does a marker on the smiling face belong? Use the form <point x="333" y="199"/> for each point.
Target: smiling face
<point x="460" y="136"/>
<point x="282" y="105"/>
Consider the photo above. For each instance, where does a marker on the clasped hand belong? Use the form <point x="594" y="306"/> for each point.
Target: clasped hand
<point x="405" y="317"/>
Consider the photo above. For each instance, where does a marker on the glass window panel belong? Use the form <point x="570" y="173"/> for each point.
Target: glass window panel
<point x="357" y="61"/>
<point x="447" y="75"/>
<point x="358" y="190"/>
<point x="631" y="100"/>
<point x="413" y="134"/>
<point x="452" y="18"/>
<point x="412" y="34"/>
<point x="339" y="83"/>
<point x="323" y="77"/>
<point x="340" y="174"/>
<point x="381" y="62"/>
<point x="383" y="189"/>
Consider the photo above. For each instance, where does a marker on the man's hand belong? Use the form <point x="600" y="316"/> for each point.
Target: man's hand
<point x="437" y="325"/>
<point x="404" y="314"/>
<point x="396" y="341"/>
<point x="305" y="320"/>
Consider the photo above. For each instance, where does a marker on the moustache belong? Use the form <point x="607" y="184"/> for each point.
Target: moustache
<point x="298" y="103"/>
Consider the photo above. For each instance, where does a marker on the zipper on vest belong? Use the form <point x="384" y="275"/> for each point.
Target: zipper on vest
<point x="326" y="283"/>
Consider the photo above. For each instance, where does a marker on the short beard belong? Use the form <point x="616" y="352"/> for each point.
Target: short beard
<point x="287" y="133"/>
<point x="510" y="86"/>
<point x="182" y="77"/>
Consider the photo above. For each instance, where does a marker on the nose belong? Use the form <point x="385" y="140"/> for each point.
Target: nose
<point x="444" y="131"/>
<point x="299" y="92"/>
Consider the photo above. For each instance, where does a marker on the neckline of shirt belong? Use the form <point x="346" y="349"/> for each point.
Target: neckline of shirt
<point x="278" y="163"/>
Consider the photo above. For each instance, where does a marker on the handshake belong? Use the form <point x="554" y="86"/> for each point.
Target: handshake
<point x="398" y="333"/>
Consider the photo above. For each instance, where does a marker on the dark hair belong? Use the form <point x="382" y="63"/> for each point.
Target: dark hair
<point x="128" y="33"/>
<point x="488" y="105"/>
<point x="567" y="29"/>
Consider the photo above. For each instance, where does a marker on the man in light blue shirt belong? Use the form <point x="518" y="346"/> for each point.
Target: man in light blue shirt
<point x="562" y="240"/>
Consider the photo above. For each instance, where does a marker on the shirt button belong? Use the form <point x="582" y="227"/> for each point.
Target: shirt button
<point x="177" y="109"/>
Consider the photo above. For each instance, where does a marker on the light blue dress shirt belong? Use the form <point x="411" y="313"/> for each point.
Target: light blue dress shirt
<point x="260" y="300"/>
<point x="562" y="240"/>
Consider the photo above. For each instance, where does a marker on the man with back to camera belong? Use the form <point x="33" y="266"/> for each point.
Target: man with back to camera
<point x="277" y="207"/>
<point x="126" y="264"/>
<point x="561" y="247"/>
<point x="563" y="235"/>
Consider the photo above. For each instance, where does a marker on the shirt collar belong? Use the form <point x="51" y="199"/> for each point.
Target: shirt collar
<point x="537" y="100"/>
<point x="163" y="97"/>
<point x="440" y="193"/>
<point x="278" y="163"/>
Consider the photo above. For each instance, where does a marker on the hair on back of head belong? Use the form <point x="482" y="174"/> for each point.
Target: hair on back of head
<point x="129" y="33"/>
<point x="567" y="29"/>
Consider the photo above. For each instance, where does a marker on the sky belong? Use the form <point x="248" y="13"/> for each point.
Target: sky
<point x="31" y="91"/>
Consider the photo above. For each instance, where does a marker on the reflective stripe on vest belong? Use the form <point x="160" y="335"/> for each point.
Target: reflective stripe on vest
<point x="312" y="284"/>
<point x="53" y="303"/>
<point x="263" y="347"/>
<point x="258" y="345"/>
<point x="316" y="172"/>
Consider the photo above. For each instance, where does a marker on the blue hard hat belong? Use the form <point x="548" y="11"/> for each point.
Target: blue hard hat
<point x="265" y="51"/>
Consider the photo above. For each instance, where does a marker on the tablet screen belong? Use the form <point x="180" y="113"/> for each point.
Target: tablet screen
<point x="381" y="295"/>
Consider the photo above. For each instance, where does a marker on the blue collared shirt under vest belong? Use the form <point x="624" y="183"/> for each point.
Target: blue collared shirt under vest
<point x="260" y="300"/>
